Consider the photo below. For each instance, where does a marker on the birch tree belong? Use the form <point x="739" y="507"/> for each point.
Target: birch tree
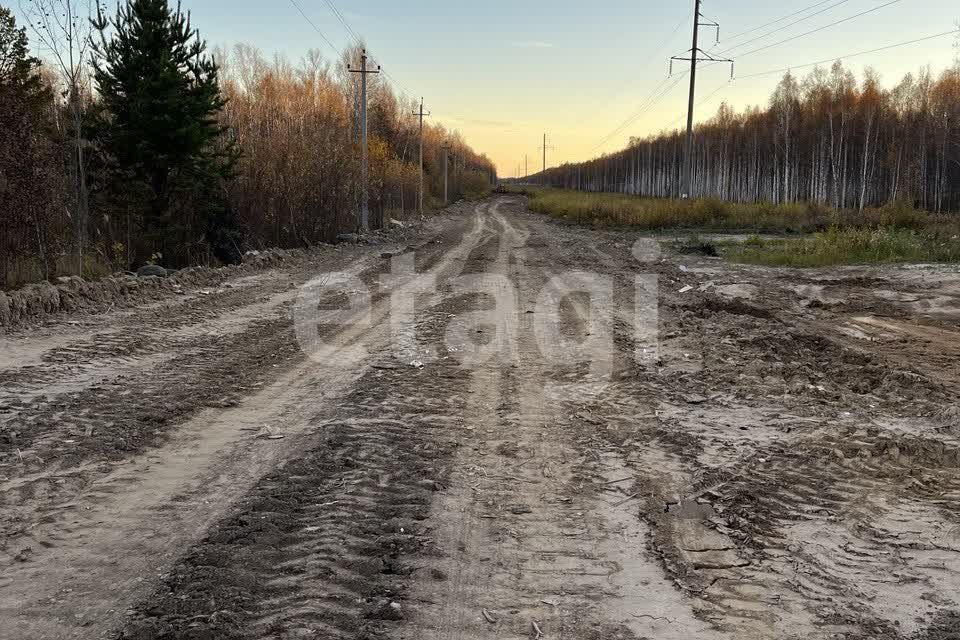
<point x="63" y="28"/>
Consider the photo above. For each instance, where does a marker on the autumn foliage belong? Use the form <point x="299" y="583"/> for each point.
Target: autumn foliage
<point x="289" y="131"/>
<point x="298" y="127"/>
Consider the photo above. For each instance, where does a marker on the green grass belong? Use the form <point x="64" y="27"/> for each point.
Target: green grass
<point x="850" y="245"/>
<point x="893" y="233"/>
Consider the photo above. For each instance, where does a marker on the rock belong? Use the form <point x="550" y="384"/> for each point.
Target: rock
<point x="387" y="611"/>
<point x="151" y="270"/>
<point x="350" y="238"/>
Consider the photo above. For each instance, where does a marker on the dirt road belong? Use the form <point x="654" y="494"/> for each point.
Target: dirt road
<point x="508" y="446"/>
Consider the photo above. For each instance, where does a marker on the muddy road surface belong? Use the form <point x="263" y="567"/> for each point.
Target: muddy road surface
<point x="500" y="427"/>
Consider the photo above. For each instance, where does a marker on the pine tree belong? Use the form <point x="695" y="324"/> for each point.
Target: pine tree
<point x="31" y="185"/>
<point x="159" y="126"/>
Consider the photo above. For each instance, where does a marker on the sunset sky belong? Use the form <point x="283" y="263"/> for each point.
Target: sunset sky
<point x="504" y="72"/>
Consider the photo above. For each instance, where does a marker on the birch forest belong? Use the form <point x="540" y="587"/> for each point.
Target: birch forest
<point x="827" y="138"/>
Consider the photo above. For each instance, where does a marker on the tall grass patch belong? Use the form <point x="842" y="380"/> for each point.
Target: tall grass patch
<point x="850" y="245"/>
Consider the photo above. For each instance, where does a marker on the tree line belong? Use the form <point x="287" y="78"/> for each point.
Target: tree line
<point x="133" y="143"/>
<point x="827" y="138"/>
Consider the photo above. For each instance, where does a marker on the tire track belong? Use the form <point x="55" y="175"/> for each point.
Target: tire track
<point x="74" y="574"/>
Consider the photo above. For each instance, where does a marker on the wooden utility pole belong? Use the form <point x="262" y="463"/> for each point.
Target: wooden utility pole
<point x="421" y="114"/>
<point x="446" y="164"/>
<point x="365" y="161"/>
<point x="695" y="53"/>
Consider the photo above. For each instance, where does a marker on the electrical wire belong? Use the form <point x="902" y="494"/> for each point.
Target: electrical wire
<point x="702" y="102"/>
<point x="818" y="29"/>
<point x="850" y="55"/>
<point x="650" y="60"/>
<point x="315" y="27"/>
<point x="813" y="64"/>
<point x="336" y="12"/>
<point x="779" y="29"/>
<point x="339" y="16"/>
<point x="789" y="15"/>
<point x="655" y="96"/>
<point x="630" y="119"/>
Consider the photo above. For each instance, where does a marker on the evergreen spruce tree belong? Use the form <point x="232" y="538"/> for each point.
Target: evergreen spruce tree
<point x="31" y="186"/>
<point x="18" y="69"/>
<point x="160" y="100"/>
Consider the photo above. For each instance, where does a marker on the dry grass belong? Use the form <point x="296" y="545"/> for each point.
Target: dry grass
<point x="606" y="209"/>
<point x="893" y="233"/>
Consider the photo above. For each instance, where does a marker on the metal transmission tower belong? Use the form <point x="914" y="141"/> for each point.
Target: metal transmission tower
<point x="421" y="114"/>
<point x="695" y="53"/>
<point x="544" y="148"/>
<point x="365" y="169"/>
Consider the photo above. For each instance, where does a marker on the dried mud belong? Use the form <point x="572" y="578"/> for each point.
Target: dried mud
<point x="785" y="463"/>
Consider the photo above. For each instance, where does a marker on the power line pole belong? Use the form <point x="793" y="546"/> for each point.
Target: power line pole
<point x="365" y="168"/>
<point x="526" y="166"/>
<point x="446" y="164"/>
<point x="695" y="52"/>
<point x="421" y="114"/>
<point x="544" y="148"/>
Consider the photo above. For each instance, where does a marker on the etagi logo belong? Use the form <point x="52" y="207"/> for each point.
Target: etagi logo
<point x="336" y="321"/>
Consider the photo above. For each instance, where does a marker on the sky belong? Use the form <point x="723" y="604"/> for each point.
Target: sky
<point x="505" y="72"/>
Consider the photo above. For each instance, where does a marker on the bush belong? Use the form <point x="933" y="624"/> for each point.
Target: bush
<point x="475" y="185"/>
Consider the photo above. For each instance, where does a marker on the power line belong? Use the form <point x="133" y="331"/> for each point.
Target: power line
<point x="826" y="26"/>
<point x="343" y="21"/>
<point x="545" y="148"/>
<point x="629" y="121"/>
<point x="714" y="92"/>
<point x="702" y="102"/>
<point x="850" y="55"/>
<point x="666" y="42"/>
<point x="655" y="96"/>
<point x="421" y="113"/>
<point x="813" y="64"/>
<point x="364" y="71"/>
<point x="695" y="53"/>
<point x="786" y="26"/>
<point x="663" y="45"/>
<point x="315" y="27"/>
<point x="352" y="33"/>
<point x="398" y="86"/>
<point x="346" y="25"/>
<point x="773" y="22"/>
